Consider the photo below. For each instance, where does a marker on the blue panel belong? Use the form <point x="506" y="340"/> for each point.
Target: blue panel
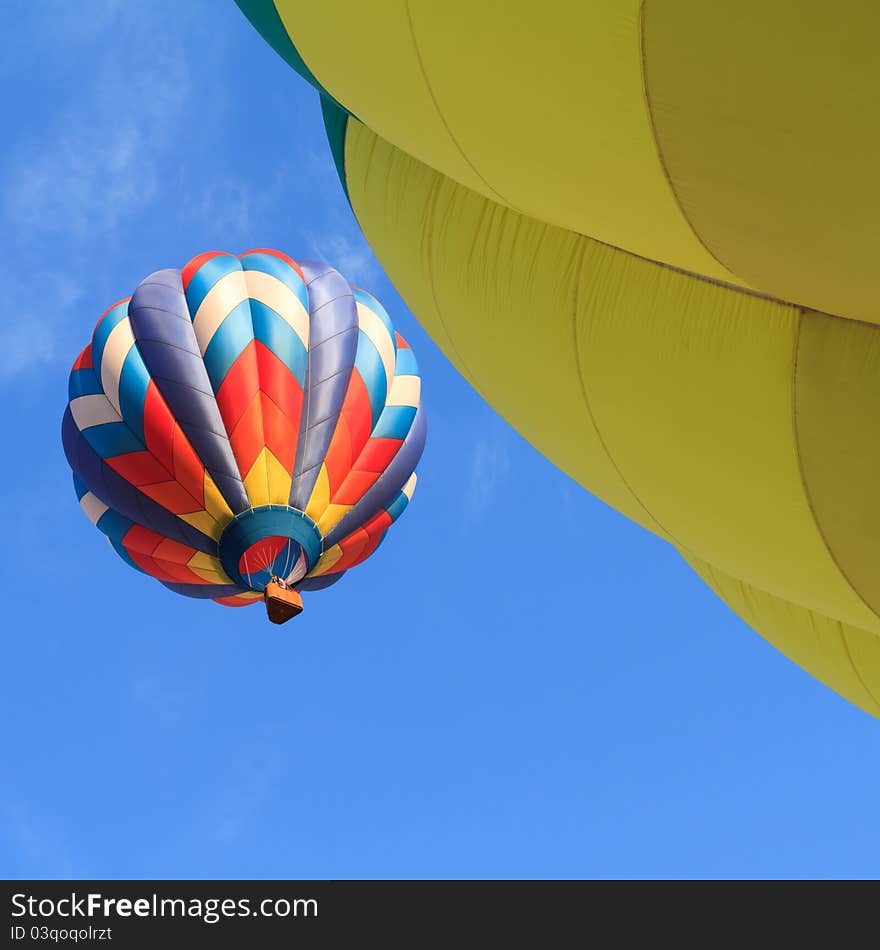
<point x="370" y="302"/>
<point x="205" y="277"/>
<point x="228" y="343"/>
<point x="277" y="334"/>
<point x="395" y="422"/>
<point x="406" y="363"/>
<point x="112" y="438"/>
<point x="133" y="382"/>
<point x="104" y="329"/>
<point x="83" y="382"/>
<point x="372" y="370"/>
<point x="397" y="507"/>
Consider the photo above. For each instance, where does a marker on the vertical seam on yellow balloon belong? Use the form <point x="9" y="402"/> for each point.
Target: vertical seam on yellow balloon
<point x="429" y="237"/>
<point x="440" y="115"/>
<point x="800" y="467"/>
<point x="588" y="405"/>
<point x="643" y="63"/>
<point x="852" y="663"/>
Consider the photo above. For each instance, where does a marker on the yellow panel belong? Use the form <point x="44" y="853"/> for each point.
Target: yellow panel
<point x="331" y="517"/>
<point x="668" y="396"/>
<point x="766" y="115"/>
<point x="207" y="567"/>
<point x="320" y="496"/>
<point x="279" y="480"/>
<point x="691" y="385"/>
<point x="837" y="412"/>
<point x="215" y="503"/>
<point x="496" y="290"/>
<point x="256" y="482"/>
<point x="543" y="110"/>
<point x="363" y="55"/>
<point x="843" y="657"/>
<point x="204" y="522"/>
<point x="325" y="563"/>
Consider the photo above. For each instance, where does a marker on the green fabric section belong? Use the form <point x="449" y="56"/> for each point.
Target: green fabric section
<point x="336" y="125"/>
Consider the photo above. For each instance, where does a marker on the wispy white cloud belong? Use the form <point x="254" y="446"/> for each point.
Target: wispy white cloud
<point x="69" y="202"/>
<point x="489" y="469"/>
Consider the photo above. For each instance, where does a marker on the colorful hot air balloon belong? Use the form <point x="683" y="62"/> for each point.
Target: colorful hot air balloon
<point x="246" y="422"/>
<point x="647" y="233"/>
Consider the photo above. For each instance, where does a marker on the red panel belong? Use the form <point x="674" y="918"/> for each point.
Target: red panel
<point x="278" y="382"/>
<point x="173" y="551"/>
<point x="139" y="468"/>
<point x="237" y="390"/>
<point x="378" y="453"/>
<point x="247" y="437"/>
<point x="378" y="524"/>
<point x="261" y="554"/>
<point x="279" y="432"/>
<point x="140" y="539"/>
<point x="354" y="487"/>
<point x="159" y="426"/>
<point x="361" y="543"/>
<point x="401" y="343"/>
<point x="188" y="468"/>
<point x="166" y="570"/>
<point x="173" y="496"/>
<point x="338" y="458"/>
<point x="352" y="545"/>
<point x="84" y="360"/>
<point x="236" y="600"/>
<point x="186" y="274"/>
<point x="358" y="413"/>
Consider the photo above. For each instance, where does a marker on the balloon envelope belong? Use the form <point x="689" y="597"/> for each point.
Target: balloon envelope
<point x="647" y="234"/>
<point x="243" y="418"/>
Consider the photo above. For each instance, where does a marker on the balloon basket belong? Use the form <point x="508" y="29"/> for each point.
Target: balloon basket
<point x="281" y="604"/>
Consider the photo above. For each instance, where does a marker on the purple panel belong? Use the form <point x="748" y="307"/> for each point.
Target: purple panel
<point x="319" y="583"/>
<point x="333" y="334"/>
<point x="167" y="342"/>
<point x="389" y="483"/>
<point x="121" y="495"/>
<point x="203" y="591"/>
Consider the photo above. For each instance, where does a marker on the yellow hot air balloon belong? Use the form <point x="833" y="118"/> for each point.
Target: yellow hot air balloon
<point x="646" y="232"/>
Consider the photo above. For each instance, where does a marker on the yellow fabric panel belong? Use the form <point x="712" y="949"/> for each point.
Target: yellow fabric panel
<point x="326" y="561"/>
<point x="497" y="291"/>
<point x="320" y="496"/>
<point x="256" y="482"/>
<point x="331" y="517"/>
<point x="668" y="396"/>
<point x="205" y="522"/>
<point x="837" y="411"/>
<point x="363" y="55"/>
<point x="542" y="110"/>
<point x="207" y="567"/>
<point x="691" y="385"/>
<point x="766" y="116"/>
<point x="279" y="480"/>
<point x="215" y="503"/>
<point x="844" y="657"/>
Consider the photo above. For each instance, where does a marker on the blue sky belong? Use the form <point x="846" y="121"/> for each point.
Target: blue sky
<point x="520" y="683"/>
